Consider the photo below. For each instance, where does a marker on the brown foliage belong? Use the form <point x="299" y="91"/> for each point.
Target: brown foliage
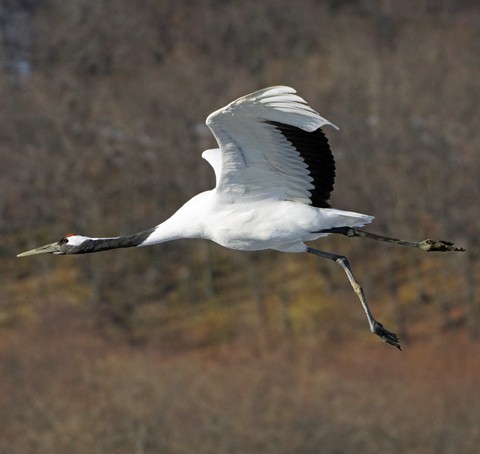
<point x="98" y="137"/>
<point x="65" y="390"/>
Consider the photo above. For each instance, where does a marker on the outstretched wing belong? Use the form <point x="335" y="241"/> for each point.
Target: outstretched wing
<point x="272" y="146"/>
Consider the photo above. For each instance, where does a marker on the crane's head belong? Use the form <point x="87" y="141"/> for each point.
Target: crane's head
<point x="69" y="244"/>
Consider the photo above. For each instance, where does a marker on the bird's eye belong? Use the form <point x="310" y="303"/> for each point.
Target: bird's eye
<point x="64" y="241"/>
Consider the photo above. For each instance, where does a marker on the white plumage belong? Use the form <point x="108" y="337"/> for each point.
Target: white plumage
<point x="257" y="161"/>
<point x="274" y="175"/>
<point x="262" y="198"/>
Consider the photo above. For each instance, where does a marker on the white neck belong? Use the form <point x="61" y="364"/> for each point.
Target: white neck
<point x="187" y="222"/>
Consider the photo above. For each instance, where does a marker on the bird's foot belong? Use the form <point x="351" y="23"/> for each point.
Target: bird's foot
<point x="439" y="246"/>
<point x="387" y="336"/>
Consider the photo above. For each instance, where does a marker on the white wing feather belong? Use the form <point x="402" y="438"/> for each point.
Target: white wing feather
<point x="256" y="159"/>
<point x="214" y="157"/>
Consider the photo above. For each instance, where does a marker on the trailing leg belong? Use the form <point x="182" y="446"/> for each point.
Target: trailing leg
<point x="425" y="245"/>
<point x="375" y="327"/>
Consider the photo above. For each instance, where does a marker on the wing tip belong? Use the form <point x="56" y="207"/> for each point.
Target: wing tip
<point x="281" y="99"/>
<point x="274" y="90"/>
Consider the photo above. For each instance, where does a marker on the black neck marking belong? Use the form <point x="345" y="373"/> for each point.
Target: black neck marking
<point x="313" y="147"/>
<point x="104" y="244"/>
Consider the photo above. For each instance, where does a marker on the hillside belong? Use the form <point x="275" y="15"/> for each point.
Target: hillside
<point x="101" y="129"/>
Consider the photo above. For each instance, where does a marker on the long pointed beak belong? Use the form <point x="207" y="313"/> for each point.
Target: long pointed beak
<point x="47" y="249"/>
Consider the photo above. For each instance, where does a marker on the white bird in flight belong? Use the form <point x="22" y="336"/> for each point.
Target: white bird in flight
<point x="274" y="174"/>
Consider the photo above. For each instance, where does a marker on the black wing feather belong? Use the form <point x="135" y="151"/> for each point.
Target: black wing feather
<point x="313" y="147"/>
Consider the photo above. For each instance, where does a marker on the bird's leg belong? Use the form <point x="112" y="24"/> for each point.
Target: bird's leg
<point x="375" y="327"/>
<point x="425" y="245"/>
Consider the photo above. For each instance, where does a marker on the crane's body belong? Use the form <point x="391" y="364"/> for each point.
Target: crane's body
<point x="274" y="175"/>
<point x="274" y="171"/>
<point x="263" y="224"/>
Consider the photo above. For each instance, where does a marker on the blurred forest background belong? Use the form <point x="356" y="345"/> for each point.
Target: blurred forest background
<point x="191" y="348"/>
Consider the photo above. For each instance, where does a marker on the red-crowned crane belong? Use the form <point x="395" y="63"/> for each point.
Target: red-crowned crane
<point x="274" y="175"/>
